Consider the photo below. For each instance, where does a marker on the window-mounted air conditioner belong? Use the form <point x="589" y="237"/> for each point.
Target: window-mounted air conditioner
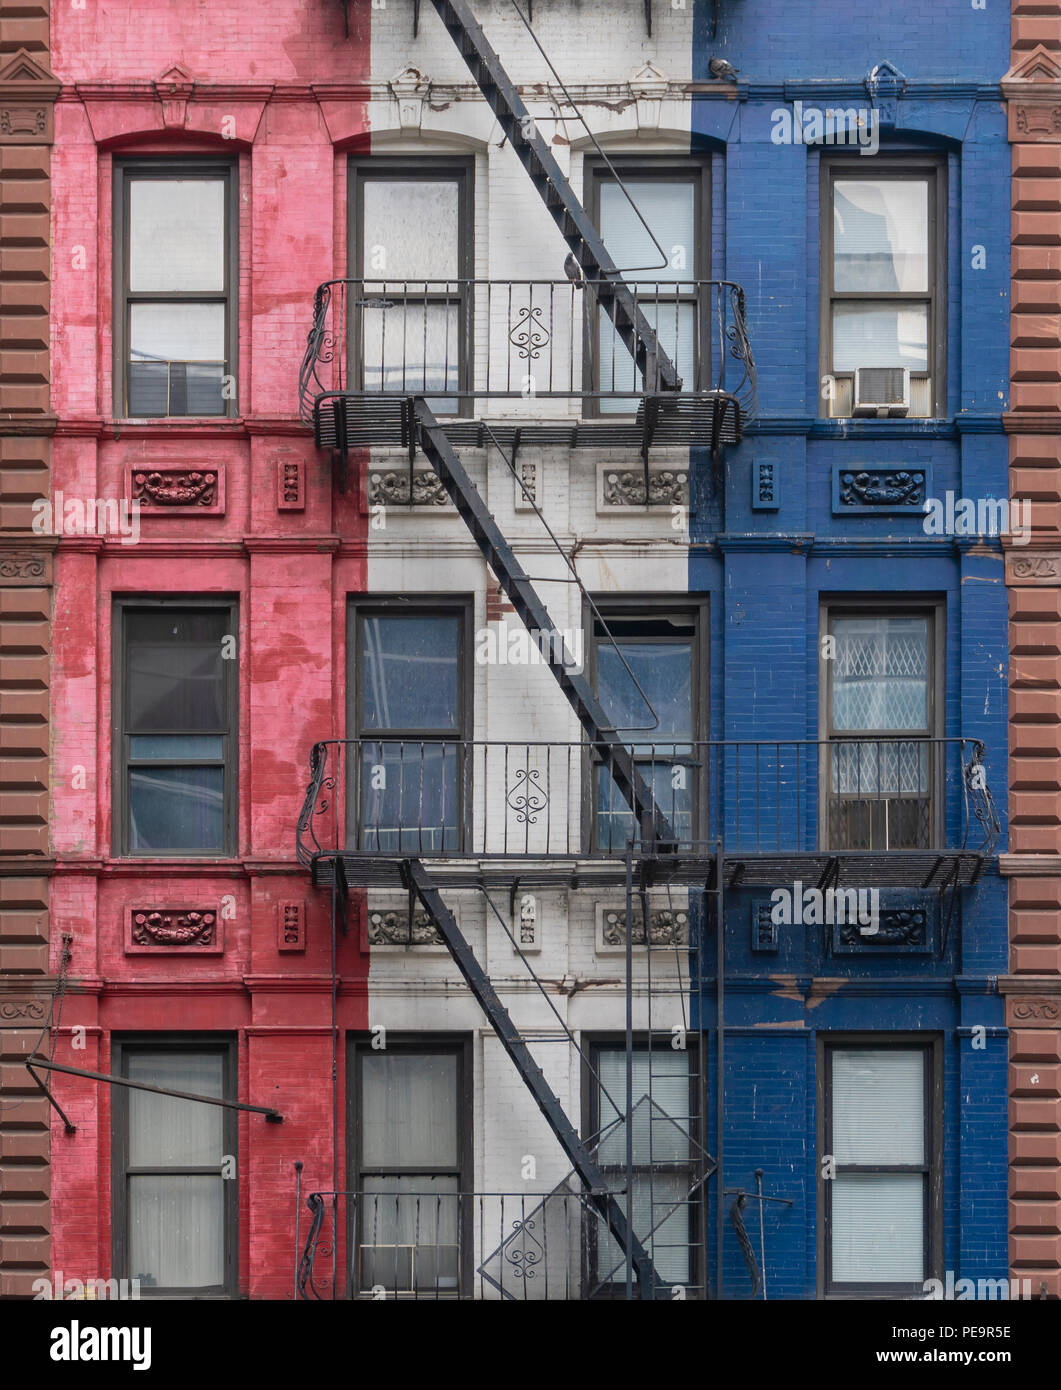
<point x="881" y="391"/>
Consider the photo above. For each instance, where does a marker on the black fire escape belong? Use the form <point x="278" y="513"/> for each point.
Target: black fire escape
<point x="759" y="813"/>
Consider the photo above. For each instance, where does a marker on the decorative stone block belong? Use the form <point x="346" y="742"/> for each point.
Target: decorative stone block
<point x="290" y="484"/>
<point x="766" y="485"/>
<point x="175" y="490"/>
<point x="194" y="931"/>
<point x="291" y="926"/>
<point x="880" y="490"/>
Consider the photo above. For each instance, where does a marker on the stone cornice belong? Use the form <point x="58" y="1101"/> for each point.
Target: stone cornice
<point x="1029" y="865"/>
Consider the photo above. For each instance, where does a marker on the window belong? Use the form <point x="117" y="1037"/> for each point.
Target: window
<point x="670" y="198"/>
<point x="883" y="279"/>
<point x="410" y="1152"/>
<point x="175" y="732"/>
<point x="665" y="1111"/>
<point x="412" y="702"/>
<point x="176" y="273"/>
<point x="646" y="661"/>
<point x="412" y="247"/>
<point x="883" y="764"/>
<point x="879" y="1103"/>
<point x="175" y="1191"/>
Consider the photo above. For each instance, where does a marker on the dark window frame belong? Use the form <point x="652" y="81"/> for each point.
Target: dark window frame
<point x="896" y="168"/>
<point x="698" y="608"/>
<point x="931" y="1045"/>
<point x="181" y="166"/>
<point x="934" y="607"/>
<point x="663" y="168"/>
<point x="120" y="759"/>
<point x="459" y="169"/>
<point x="361" y="606"/>
<point x="424" y="1044"/>
<point x="696" y="1050"/>
<point x="122" y="1045"/>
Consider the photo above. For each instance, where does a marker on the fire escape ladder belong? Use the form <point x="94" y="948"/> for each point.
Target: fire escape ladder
<point x="656" y="832"/>
<point x="420" y="882"/>
<point x="600" y="271"/>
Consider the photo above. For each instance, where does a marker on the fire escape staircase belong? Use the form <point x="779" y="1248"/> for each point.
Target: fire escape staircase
<point x="656" y="834"/>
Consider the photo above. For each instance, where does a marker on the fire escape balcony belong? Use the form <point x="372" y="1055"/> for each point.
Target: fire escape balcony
<point x="877" y="812"/>
<point x="376" y="345"/>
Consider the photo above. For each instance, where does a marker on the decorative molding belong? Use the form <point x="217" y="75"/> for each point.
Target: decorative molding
<point x="391" y="926"/>
<point x="177" y="490"/>
<point x="25" y="567"/>
<point x="529" y="473"/>
<point x="668" y="926"/>
<point x="874" y="490"/>
<point x="291" y="926"/>
<point x="1036" y="567"/>
<point x="290" y="484"/>
<point x="23" y="1010"/>
<point x="766" y="485"/>
<point x="392" y="489"/>
<point x="526" y="926"/>
<point x="905" y="930"/>
<point x="620" y="490"/>
<point x="764" y="928"/>
<point x="192" y="930"/>
<point x="1032" y="1011"/>
<point x="27" y="93"/>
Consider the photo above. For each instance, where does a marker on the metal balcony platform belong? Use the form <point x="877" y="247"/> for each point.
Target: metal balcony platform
<point x="912" y="869"/>
<point x="355" y="420"/>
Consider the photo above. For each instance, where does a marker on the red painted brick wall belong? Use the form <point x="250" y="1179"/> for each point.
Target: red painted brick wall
<point x="290" y="569"/>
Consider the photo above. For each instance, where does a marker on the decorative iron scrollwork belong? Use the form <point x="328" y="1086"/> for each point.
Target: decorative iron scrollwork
<point x="526" y="797"/>
<point x="529" y="335"/>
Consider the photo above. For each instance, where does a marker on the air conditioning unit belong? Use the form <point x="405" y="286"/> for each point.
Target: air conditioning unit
<point x="881" y="391"/>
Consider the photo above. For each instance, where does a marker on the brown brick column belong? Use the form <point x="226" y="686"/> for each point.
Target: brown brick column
<point x="27" y="92"/>
<point x="1032" y="88"/>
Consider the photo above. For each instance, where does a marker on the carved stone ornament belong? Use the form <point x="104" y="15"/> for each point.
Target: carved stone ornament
<point x="665" y="486"/>
<point x="22" y="1010"/>
<point x="395" y="929"/>
<point x="26" y="568"/>
<point x="882" y="487"/>
<point x="667" y="927"/>
<point x="896" y="927"/>
<point x="393" y="489"/>
<point x="1036" y="1010"/>
<point x="172" y="489"/>
<point x="175" y="928"/>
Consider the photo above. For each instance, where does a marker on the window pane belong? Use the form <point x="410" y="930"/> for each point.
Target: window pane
<point x="407" y="1233"/>
<point x="180" y="748"/>
<point x="673" y="785"/>
<point x="878" y="1228"/>
<point x="176" y="234"/>
<point x="177" y="333"/>
<point x="675" y="325"/>
<point x="172" y="808"/>
<point x="880" y="335"/>
<point x="878" y="1105"/>
<point x="411" y="346"/>
<point x="661" y="1129"/>
<point x="409" y="672"/>
<point x="669" y="208"/>
<point x="410" y="229"/>
<point x="880" y="235"/>
<point x="408" y="1110"/>
<point x="880" y="673"/>
<point x="663" y="670"/>
<point x="176" y="1231"/>
<point x="409" y="796"/>
<point x="176" y="687"/>
<point x="661" y="1204"/>
<point x="170" y="1133"/>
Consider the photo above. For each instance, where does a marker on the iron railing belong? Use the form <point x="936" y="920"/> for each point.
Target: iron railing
<point x="454" y="340"/>
<point x="428" y="1242"/>
<point x="451" y="798"/>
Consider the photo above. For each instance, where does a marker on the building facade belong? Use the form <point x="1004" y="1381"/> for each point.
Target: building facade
<point x="1032" y="1005"/>
<point x="804" y="667"/>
